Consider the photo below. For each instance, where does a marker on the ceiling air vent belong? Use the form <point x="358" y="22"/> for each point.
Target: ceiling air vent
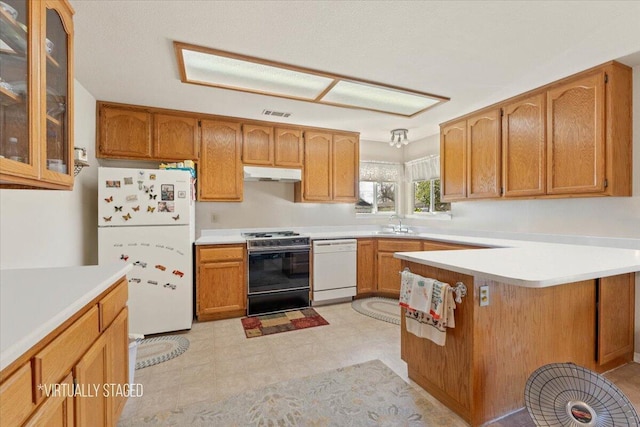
<point x="275" y="113"/>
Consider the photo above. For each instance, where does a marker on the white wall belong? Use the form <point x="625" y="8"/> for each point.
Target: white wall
<point x="270" y="204"/>
<point x="43" y="228"/>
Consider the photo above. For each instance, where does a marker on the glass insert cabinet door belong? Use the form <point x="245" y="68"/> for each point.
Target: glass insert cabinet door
<point x="36" y="72"/>
<point x="57" y="155"/>
<point x="15" y="85"/>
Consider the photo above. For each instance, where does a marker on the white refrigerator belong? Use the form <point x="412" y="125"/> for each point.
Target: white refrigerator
<point x="146" y="217"/>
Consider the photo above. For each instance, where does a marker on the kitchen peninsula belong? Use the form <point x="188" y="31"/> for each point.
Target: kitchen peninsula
<point x="526" y="306"/>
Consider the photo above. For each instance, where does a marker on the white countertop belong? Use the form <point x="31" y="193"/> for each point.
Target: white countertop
<point x="233" y="236"/>
<point x="34" y="302"/>
<point x="534" y="266"/>
<point x="515" y="262"/>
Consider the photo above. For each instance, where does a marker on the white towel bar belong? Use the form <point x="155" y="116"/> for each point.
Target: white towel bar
<point x="460" y="289"/>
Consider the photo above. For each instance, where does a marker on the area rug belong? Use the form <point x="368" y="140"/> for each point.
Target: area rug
<point x="386" y="309"/>
<point x="367" y="394"/>
<point x="152" y="351"/>
<point x="267" y="324"/>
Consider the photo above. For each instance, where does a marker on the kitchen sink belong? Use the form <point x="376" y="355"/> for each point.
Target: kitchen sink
<point x="395" y="233"/>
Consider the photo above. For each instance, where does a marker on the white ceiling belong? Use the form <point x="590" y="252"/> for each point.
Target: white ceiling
<point x="474" y="52"/>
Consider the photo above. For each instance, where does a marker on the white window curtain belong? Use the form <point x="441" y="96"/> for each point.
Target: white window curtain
<point x="423" y="169"/>
<point x="380" y="171"/>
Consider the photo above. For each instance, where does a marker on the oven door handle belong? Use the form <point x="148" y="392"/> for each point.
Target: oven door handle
<point x="283" y="249"/>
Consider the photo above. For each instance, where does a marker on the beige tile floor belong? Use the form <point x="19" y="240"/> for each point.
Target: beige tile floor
<point x="221" y="362"/>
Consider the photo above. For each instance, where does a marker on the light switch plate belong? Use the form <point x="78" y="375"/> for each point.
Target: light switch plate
<point x="484" y="296"/>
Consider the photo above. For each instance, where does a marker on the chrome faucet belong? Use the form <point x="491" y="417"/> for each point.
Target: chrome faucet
<point x="398" y="228"/>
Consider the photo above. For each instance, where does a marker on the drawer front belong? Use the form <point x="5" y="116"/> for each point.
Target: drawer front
<point x="388" y="245"/>
<point x="443" y="246"/>
<point x="112" y="304"/>
<point x="16" y="397"/>
<point x="57" y="358"/>
<point x="222" y="253"/>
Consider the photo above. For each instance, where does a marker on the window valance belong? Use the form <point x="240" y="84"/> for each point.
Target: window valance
<point x="377" y="171"/>
<point x="423" y="169"/>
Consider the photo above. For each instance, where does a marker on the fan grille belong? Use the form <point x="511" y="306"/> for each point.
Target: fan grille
<point x="564" y="394"/>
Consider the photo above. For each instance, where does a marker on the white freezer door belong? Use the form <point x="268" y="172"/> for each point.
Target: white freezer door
<point x="161" y="281"/>
<point x="132" y="197"/>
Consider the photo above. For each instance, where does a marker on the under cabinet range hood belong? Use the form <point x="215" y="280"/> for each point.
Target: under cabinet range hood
<point x="259" y="173"/>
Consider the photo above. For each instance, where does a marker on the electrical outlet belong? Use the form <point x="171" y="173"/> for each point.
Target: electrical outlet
<point x="484" y="296"/>
<point x="213" y="217"/>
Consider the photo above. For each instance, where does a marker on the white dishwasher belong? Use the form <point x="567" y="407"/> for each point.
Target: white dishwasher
<point x="334" y="269"/>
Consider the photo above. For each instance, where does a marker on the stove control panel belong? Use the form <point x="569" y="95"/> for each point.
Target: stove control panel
<point x="292" y="242"/>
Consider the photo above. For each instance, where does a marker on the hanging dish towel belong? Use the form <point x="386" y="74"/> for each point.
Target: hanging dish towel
<point x="433" y="324"/>
<point x="415" y="291"/>
<point x="406" y="286"/>
<point x="421" y="294"/>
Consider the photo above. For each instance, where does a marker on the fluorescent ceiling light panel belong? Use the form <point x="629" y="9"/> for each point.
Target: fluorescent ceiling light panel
<point x="377" y="98"/>
<point x="227" y="70"/>
<point x="251" y="76"/>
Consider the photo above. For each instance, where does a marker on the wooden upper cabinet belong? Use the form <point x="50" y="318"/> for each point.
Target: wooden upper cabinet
<point x="175" y="137"/>
<point x="318" y="161"/>
<point x="576" y="136"/>
<point x="220" y="168"/>
<point x="570" y="138"/>
<point x="129" y="132"/>
<point x="453" y="171"/>
<point x="289" y="147"/>
<point x="124" y="132"/>
<point x="257" y="147"/>
<point x="37" y="95"/>
<point x="483" y="155"/>
<point x="264" y="146"/>
<point x="523" y="147"/>
<point x="346" y="168"/>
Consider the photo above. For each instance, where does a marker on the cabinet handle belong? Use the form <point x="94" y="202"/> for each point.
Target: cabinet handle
<point x="36" y="380"/>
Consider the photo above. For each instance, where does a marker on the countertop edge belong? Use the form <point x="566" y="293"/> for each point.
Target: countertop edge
<point x="12" y="353"/>
<point x="446" y="238"/>
<point x="515" y="281"/>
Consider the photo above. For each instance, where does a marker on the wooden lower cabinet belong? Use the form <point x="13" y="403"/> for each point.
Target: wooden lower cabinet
<point x="118" y="362"/>
<point x="58" y="410"/>
<point x="616" y="297"/>
<point x="65" y="357"/>
<point x="388" y="267"/>
<point x="16" y="396"/>
<point x="378" y="268"/>
<point x="91" y="371"/>
<point x="221" y="288"/>
<point x="366" y="272"/>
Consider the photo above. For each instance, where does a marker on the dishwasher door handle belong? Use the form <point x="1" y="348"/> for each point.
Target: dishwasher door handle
<point x="342" y="242"/>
